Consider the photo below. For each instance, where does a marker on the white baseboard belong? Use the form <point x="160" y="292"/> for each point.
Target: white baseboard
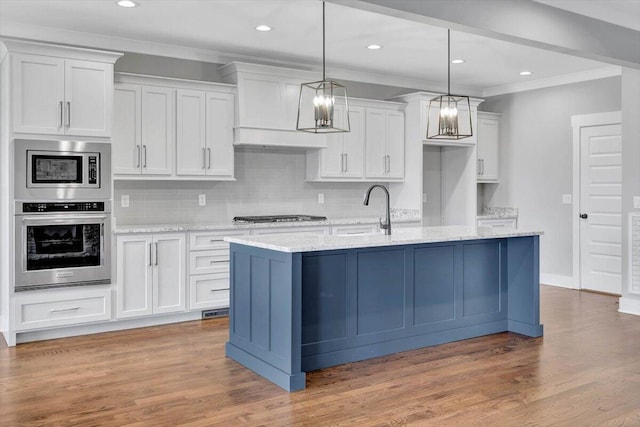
<point x="629" y="305"/>
<point x="557" y="280"/>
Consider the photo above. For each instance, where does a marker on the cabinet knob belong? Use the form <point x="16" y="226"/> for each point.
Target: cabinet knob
<point x="584" y="216"/>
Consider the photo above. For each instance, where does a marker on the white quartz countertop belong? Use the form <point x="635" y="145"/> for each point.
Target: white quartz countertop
<point x="163" y="228"/>
<point x="309" y="242"/>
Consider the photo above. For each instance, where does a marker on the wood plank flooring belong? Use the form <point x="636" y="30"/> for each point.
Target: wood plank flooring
<point x="585" y="371"/>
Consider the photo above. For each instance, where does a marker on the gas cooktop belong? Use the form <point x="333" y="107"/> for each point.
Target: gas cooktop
<point x="278" y="218"/>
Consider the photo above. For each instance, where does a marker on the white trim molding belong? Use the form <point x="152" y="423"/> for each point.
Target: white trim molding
<point x="629" y="305"/>
<point x="579" y="122"/>
<point x="564" y="79"/>
<point x="557" y="280"/>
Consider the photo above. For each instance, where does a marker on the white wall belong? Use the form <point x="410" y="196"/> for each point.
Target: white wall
<point x="630" y="302"/>
<point x="536" y="161"/>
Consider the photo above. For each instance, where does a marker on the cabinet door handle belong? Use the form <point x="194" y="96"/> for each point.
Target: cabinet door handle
<point x="156" y="244"/>
<point x="138" y="155"/>
<point x="150" y="254"/>
<point x="144" y="149"/>
<point x="209" y="157"/>
<point x="58" y="310"/>
<point x="342" y="162"/>
<point x="482" y="166"/>
<point x="346" y="162"/>
<point x="387" y="167"/>
<point x="479" y="167"/>
<point x="60" y="108"/>
<point x="68" y="113"/>
<point x="204" y="159"/>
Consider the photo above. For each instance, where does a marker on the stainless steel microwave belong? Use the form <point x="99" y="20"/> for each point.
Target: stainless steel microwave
<point x="62" y="170"/>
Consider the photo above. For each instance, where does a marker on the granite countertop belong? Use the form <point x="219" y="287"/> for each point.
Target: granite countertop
<point x="162" y="228"/>
<point x="309" y="242"/>
<point x="498" y="213"/>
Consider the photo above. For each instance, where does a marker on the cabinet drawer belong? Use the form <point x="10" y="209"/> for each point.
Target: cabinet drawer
<point x="61" y="307"/>
<point x="209" y="291"/>
<point x="212" y="240"/>
<point x="343" y="230"/>
<point x="288" y="230"/>
<point x="213" y="261"/>
<point x="498" y="223"/>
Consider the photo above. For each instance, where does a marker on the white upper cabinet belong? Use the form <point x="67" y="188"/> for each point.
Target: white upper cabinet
<point x="143" y="139"/>
<point x="488" y="140"/>
<point x="267" y="105"/>
<point x="172" y="129"/>
<point x="385" y="144"/>
<point x="60" y="90"/>
<point x="372" y="151"/>
<point x="205" y="134"/>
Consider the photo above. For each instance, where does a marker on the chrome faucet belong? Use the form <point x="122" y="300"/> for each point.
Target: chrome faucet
<point x="386" y="226"/>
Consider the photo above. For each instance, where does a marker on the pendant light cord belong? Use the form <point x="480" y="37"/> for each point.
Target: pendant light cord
<point x="323" y="43"/>
<point x="448" y="62"/>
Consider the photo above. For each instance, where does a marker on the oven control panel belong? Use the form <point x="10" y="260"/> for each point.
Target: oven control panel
<point x="28" y="207"/>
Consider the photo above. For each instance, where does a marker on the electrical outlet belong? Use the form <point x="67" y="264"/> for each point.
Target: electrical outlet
<point x="567" y="199"/>
<point x="636" y="202"/>
<point x="202" y="200"/>
<point x="321" y="198"/>
<point x="124" y="201"/>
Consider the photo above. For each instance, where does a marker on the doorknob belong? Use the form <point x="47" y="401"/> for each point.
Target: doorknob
<point x="584" y="216"/>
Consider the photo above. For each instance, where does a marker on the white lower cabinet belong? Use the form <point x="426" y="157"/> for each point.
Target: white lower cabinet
<point x="150" y="274"/>
<point x="209" y="269"/>
<point x="61" y="307"/>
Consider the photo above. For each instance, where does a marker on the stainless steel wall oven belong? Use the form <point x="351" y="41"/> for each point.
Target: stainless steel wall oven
<point x="62" y="214"/>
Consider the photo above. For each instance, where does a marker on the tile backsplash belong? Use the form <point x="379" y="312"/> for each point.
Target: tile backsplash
<point x="267" y="182"/>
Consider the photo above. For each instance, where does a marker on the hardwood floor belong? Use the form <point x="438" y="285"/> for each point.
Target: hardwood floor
<point x="585" y="371"/>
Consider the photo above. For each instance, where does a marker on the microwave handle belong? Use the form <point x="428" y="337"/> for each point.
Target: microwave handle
<point x="59" y="219"/>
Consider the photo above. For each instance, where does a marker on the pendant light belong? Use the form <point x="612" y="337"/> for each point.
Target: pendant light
<point x="323" y="106"/>
<point x="449" y="116"/>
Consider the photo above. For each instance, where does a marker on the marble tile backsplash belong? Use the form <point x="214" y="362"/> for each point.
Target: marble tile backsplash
<point x="267" y="182"/>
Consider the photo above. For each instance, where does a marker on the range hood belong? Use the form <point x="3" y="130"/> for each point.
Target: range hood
<point x="267" y="105"/>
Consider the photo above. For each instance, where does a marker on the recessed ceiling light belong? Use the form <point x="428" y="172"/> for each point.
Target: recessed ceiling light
<point x="127" y="3"/>
<point x="457" y="61"/>
<point x="374" y="47"/>
<point x="263" y="28"/>
<point x="525" y="73"/>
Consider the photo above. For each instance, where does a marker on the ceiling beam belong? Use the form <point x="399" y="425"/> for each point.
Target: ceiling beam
<point x="524" y="22"/>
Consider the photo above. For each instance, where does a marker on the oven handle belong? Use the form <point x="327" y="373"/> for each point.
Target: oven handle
<point x="60" y="219"/>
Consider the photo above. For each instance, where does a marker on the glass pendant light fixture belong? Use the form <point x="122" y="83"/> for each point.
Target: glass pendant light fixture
<point x="449" y="116"/>
<point x="323" y="106"/>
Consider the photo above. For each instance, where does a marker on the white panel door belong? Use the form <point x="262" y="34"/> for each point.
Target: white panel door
<point x="38" y="94"/>
<point x="376" y="162"/>
<point x="158" y="140"/>
<point x="601" y="208"/>
<point x="88" y="98"/>
<point x="190" y="126"/>
<point x="134" y="276"/>
<point x="395" y="144"/>
<point x="219" y="134"/>
<point x="125" y="141"/>
<point x="169" y="273"/>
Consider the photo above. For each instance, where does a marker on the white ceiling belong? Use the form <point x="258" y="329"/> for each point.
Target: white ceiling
<point x="412" y="51"/>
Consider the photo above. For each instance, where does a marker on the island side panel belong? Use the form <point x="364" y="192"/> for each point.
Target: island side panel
<point x="523" y="272"/>
<point x="391" y="299"/>
<point x="265" y="314"/>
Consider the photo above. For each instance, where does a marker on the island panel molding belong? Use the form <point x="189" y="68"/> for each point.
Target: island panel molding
<point x="295" y="312"/>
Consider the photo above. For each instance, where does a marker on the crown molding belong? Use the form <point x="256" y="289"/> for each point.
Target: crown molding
<point x="564" y="79"/>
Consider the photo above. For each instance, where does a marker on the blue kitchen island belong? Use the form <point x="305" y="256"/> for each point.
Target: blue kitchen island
<point x="302" y="302"/>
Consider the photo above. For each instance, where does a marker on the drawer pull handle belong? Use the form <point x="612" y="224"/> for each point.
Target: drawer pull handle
<point x="57" y="310"/>
<point x="216" y="240"/>
<point x="218" y="262"/>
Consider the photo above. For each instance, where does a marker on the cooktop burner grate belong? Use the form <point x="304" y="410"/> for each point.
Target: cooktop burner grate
<point x="278" y="218"/>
